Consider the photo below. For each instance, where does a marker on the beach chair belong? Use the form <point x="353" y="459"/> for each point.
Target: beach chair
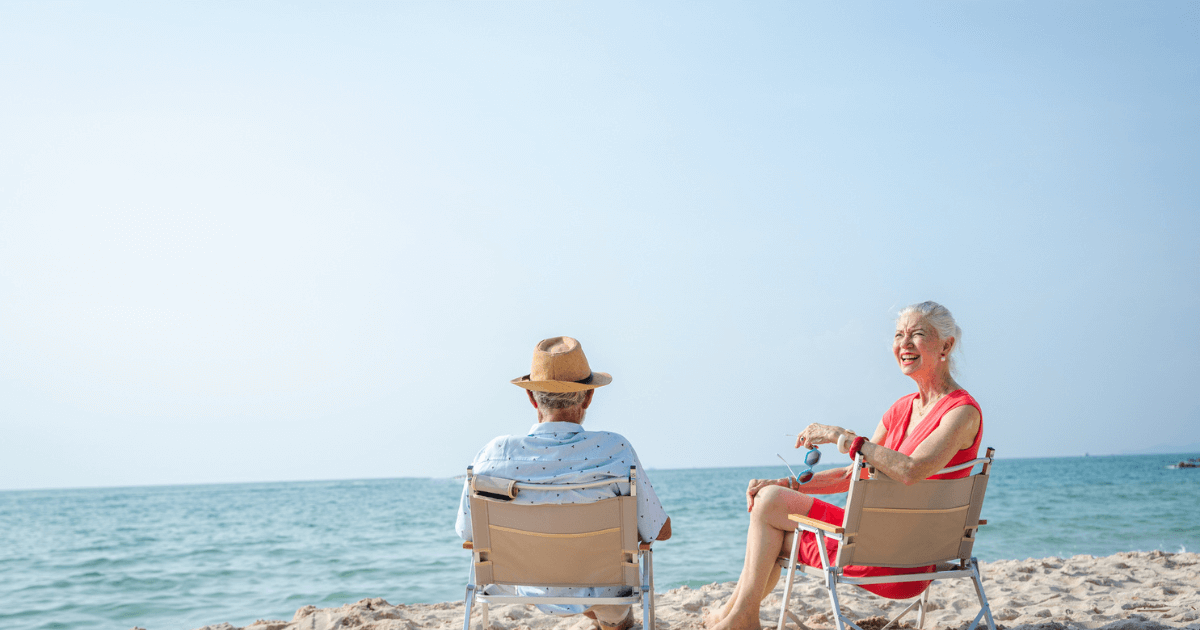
<point x="582" y="545"/>
<point x="889" y="524"/>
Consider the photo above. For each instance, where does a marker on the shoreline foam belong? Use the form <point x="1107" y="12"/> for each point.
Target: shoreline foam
<point x="1124" y="591"/>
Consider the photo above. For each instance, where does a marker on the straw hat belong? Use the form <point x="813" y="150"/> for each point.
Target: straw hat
<point x="559" y="366"/>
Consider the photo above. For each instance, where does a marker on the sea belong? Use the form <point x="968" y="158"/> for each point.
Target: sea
<point x="182" y="557"/>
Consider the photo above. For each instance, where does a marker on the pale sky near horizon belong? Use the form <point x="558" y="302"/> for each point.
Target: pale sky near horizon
<point x="284" y="241"/>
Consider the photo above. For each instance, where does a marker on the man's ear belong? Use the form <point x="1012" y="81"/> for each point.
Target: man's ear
<point x="587" y="398"/>
<point x="531" y="400"/>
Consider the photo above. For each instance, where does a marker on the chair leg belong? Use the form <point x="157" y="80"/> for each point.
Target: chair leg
<point x="918" y="604"/>
<point x="791" y="574"/>
<point x="839" y="620"/>
<point x="470" y="599"/>
<point x="484" y="616"/>
<point x="647" y="590"/>
<point x="467" y="604"/>
<point x="923" y="608"/>
<point x="653" y="610"/>
<point x="984" y="609"/>
<point x="830" y="582"/>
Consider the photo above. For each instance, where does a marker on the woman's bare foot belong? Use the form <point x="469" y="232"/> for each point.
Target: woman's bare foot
<point x="739" y="622"/>
<point x="717" y="615"/>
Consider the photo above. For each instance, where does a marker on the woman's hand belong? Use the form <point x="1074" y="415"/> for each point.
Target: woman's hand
<point x="816" y="434"/>
<point x="759" y="484"/>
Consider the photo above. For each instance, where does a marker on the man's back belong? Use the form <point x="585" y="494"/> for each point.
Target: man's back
<point x="563" y="453"/>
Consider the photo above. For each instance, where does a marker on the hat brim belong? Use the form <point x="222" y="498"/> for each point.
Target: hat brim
<point x="597" y="379"/>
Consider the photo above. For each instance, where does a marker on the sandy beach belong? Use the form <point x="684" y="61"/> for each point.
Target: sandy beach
<point x="1125" y="591"/>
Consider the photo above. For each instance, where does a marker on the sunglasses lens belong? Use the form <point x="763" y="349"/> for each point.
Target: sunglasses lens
<point x="812" y="457"/>
<point x="805" y="476"/>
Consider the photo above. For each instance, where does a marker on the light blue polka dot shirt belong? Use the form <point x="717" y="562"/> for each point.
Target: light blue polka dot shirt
<point x="562" y="452"/>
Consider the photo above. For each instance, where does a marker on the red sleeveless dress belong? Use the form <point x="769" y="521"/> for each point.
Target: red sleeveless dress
<point x="896" y="421"/>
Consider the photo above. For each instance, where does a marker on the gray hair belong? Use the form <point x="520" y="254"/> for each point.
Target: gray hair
<point x="559" y="400"/>
<point x="943" y="323"/>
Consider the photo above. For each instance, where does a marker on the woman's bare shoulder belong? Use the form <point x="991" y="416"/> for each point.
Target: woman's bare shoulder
<point x="963" y="423"/>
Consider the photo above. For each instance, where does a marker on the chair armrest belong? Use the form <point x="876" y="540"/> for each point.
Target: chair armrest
<point x="644" y="546"/>
<point x="982" y="521"/>
<point x="468" y="545"/>
<point x="811" y="522"/>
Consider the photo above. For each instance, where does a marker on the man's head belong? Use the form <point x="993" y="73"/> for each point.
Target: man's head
<point x="560" y="383"/>
<point x="561" y="406"/>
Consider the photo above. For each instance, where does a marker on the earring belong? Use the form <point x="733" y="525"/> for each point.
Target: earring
<point x="943" y="357"/>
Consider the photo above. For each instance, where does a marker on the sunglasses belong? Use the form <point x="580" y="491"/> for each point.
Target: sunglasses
<point x="811" y="458"/>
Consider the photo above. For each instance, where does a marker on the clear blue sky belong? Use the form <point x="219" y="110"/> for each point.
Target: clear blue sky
<point x="279" y="241"/>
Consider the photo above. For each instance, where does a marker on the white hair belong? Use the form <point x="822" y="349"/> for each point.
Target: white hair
<point x="943" y="324"/>
<point x="559" y="400"/>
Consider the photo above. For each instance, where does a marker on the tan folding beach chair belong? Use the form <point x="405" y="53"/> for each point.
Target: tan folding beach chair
<point x="580" y="545"/>
<point x="889" y="524"/>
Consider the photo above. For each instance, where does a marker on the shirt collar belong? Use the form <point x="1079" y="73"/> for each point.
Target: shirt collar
<point x="555" y="427"/>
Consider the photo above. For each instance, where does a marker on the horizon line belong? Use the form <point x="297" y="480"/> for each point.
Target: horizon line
<point x="456" y="477"/>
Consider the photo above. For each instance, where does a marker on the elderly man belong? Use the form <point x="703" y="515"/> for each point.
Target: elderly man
<point x="560" y="387"/>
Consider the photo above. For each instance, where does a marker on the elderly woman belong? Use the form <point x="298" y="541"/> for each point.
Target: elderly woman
<point x="920" y="434"/>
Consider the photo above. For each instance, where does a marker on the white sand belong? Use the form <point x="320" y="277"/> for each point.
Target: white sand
<point x="1126" y="591"/>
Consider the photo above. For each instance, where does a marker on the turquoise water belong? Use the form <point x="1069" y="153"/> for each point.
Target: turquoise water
<point x="186" y="556"/>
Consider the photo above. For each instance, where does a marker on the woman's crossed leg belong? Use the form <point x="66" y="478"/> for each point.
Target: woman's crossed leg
<point x="768" y="538"/>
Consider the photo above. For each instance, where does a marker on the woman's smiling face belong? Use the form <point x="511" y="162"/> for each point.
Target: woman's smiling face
<point x="916" y="345"/>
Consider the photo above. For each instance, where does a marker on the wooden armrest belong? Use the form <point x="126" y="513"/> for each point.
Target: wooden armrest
<point x="983" y="521"/>
<point x="812" y="522"/>
<point x="644" y="546"/>
<point x="468" y="545"/>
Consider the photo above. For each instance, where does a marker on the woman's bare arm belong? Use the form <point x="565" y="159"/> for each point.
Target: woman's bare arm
<point x="838" y="479"/>
<point x="956" y="432"/>
<point x="825" y="482"/>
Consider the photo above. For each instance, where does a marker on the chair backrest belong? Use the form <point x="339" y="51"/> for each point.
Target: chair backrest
<point x="889" y="524"/>
<point x="580" y="544"/>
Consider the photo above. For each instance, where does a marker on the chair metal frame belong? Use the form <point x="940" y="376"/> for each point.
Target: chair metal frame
<point x="643" y="591"/>
<point x="962" y="566"/>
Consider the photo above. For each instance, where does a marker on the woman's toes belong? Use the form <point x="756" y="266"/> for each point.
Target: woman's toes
<point x="714" y="616"/>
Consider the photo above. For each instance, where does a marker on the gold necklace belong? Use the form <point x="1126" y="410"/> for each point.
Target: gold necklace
<point x="920" y="413"/>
